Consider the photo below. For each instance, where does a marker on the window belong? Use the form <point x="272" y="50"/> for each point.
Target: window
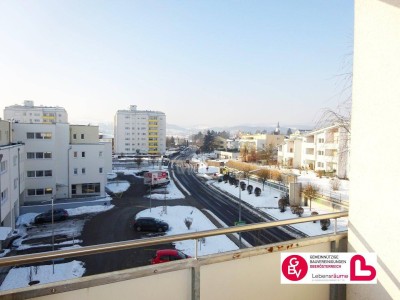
<point x="100" y="153"/>
<point x="30" y="174"/>
<point x="31" y="192"/>
<point x="48" y="191"/>
<point x="30" y="135"/>
<point x="74" y="136"/>
<point x="3" y="166"/>
<point x="75" y="171"/>
<point x="30" y="155"/>
<point x="321" y="140"/>
<point x="90" y="188"/>
<point x="48" y="173"/>
<point x="47" y="155"/>
<point x="39" y="155"/>
<point x="82" y="136"/>
<point x="47" y="135"/>
<point x="83" y="170"/>
<point x="73" y="189"/>
<point x="320" y="164"/>
<point x="39" y="192"/>
<point x="83" y="154"/>
<point x="100" y="170"/>
<point x="75" y="153"/>
<point x="39" y="173"/>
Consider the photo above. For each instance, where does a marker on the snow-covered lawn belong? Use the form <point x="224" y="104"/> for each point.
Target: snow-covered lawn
<point x="175" y="217"/>
<point x="118" y="186"/>
<point x="19" y="277"/>
<point x="268" y="202"/>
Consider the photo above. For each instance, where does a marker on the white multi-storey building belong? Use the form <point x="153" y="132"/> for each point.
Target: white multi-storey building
<point x="325" y="149"/>
<point x="290" y="151"/>
<point x="11" y="176"/>
<point x="29" y="113"/>
<point x="62" y="161"/>
<point x="139" y="131"/>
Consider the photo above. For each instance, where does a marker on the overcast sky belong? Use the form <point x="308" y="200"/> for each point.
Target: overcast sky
<point x="236" y="62"/>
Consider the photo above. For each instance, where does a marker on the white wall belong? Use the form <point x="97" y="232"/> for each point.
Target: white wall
<point x="9" y="182"/>
<point x="57" y="145"/>
<point x="374" y="217"/>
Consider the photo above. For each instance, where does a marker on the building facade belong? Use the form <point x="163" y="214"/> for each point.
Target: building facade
<point x="11" y="176"/>
<point x="29" y="113"/>
<point x="139" y="132"/>
<point x="325" y="149"/>
<point x="290" y="152"/>
<point x="62" y="161"/>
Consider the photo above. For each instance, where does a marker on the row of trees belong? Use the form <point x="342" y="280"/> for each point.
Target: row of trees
<point x="209" y="141"/>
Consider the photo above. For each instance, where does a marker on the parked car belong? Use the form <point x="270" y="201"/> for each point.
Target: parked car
<point x="167" y="255"/>
<point x="59" y="215"/>
<point x="150" y="224"/>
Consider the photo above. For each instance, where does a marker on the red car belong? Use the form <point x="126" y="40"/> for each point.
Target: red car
<point x="167" y="255"/>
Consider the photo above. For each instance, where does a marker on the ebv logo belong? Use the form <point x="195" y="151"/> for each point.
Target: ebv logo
<point x="294" y="267"/>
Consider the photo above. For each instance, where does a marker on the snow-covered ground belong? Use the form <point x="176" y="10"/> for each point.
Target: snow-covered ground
<point x="174" y="216"/>
<point x="21" y="276"/>
<point x="268" y="200"/>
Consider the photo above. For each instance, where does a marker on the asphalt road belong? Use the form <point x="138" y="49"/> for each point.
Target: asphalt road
<point x="114" y="226"/>
<point x="228" y="211"/>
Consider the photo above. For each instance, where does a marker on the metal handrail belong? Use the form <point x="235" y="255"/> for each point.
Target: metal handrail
<point x="109" y="247"/>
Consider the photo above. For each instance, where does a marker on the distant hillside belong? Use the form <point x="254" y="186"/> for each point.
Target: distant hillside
<point x="176" y="130"/>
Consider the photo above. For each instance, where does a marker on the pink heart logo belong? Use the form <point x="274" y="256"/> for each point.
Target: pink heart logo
<point x="363" y="267"/>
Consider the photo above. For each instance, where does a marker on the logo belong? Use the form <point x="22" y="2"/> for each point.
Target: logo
<point x="294" y="267"/>
<point x="359" y="270"/>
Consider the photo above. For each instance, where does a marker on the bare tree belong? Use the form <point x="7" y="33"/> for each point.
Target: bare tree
<point x="310" y="193"/>
<point x="264" y="174"/>
<point x="138" y="160"/>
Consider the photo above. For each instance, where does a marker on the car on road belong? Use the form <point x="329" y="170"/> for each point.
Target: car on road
<point x="59" y="214"/>
<point x="167" y="255"/>
<point x="150" y="224"/>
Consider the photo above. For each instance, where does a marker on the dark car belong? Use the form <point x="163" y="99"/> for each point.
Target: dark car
<point x="59" y="215"/>
<point x="150" y="224"/>
<point x="167" y="255"/>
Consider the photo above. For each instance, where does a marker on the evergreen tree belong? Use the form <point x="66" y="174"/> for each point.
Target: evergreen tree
<point x="209" y="139"/>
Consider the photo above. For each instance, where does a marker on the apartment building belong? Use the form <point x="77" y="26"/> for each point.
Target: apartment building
<point x="62" y="161"/>
<point x="290" y="151"/>
<point x="29" y="113"/>
<point x="325" y="149"/>
<point x="139" y="131"/>
<point x="260" y="141"/>
<point x="11" y="177"/>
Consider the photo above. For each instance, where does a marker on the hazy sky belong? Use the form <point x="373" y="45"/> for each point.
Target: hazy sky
<point x="201" y="62"/>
